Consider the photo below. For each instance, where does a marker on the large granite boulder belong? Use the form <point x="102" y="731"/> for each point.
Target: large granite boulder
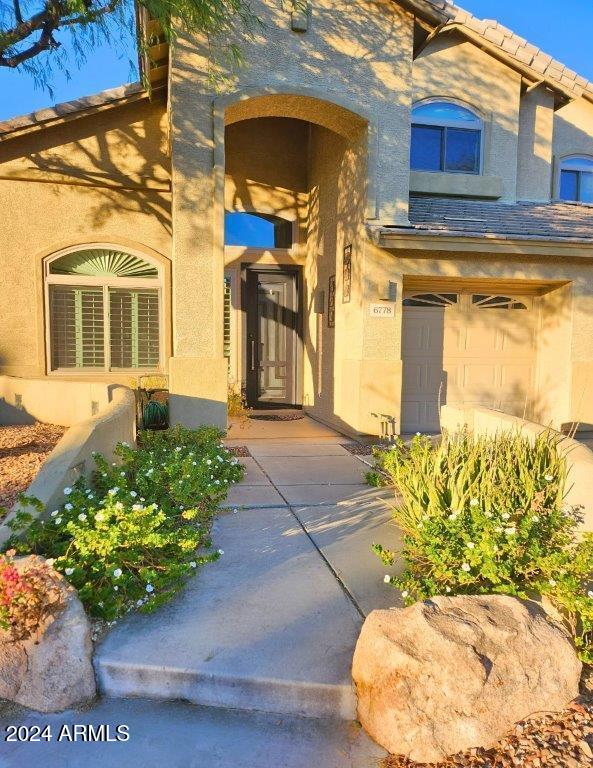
<point x="51" y="669"/>
<point x="452" y="673"/>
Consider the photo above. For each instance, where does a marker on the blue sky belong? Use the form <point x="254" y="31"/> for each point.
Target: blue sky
<point x="567" y="39"/>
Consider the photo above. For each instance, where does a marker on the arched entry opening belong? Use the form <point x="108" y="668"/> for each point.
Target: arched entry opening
<point x="295" y="186"/>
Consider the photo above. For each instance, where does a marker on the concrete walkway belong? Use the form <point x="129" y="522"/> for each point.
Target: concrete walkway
<point x="264" y="637"/>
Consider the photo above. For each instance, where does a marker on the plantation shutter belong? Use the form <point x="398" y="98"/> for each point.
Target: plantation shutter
<point x="227" y="318"/>
<point x="76" y="320"/>
<point x="134" y="327"/>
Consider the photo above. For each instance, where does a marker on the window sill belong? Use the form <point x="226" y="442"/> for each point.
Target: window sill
<point x="456" y="184"/>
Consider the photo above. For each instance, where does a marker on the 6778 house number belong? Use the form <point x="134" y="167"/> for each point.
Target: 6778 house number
<point x="67" y="732"/>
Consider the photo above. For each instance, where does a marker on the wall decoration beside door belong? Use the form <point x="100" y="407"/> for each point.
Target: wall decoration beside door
<point x="331" y="302"/>
<point x="347" y="274"/>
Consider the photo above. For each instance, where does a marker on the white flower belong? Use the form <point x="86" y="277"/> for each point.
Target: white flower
<point x="149" y="588"/>
<point x="117" y="573"/>
<point x="193" y="564"/>
<point x="90" y="496"/>
<point x="221" y="551"/>
<point x="119" y="506"/>
<point x="470" y="545"/>
<point x="67" y="491"/>
<point x="208" y="462"/>
<point x="488" y="514"/>
<point x="82" y="517"/>
<point x="465" y="567"/>
<point x="195" y="463"/>
<point x="474" y="502"/>
<point x="235" y="511"/>
<point x="50" y="561"/>
<point x="69" y="571"/>
<point x="505" y="515"/>
<point x="220" y="458"/>
<point x="115" y="589"/>
<point x="405" y="593"/>
<point x="453" y="516"/>
<point x="133" y="494"/>
<point x="552" y="583"/>
<point x="113" y="491"/>
<point x="549" y="478"/>
<point x="55" y="513"/>
<point x="498" y="529"/>
<point x="535" y="519"/>
<point x="418" y="434"/>
<point x="136" y="507"/>
<point x="100" y="517"/>
<point x="387" y="578"/>
<point x="122" y="474"/>
<point x="510" y="531"/>
<point x="178" y="449"/>
<point x="69" y="507"/>
<point x="590" y="593"/>
<point x="447" y="589"/>
<point x="217" y="482"/>
<point x="58" y="520"/>
<point x="139" y="602"/>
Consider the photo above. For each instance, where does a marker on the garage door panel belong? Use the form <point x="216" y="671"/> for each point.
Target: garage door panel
<point x="424" y="333"/>
<point x="482" y="356"/>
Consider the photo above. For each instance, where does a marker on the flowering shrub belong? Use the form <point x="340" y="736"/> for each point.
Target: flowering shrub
<point x="27" y="597"/>
<point x="483" y="516"/>
<point x="132" y="537"/>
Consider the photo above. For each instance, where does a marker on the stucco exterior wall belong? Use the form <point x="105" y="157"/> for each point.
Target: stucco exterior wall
<point x="361" y="53"/>
<point x="452" y="68"/>
<point x="573" y="134"/>
<point x="534" y="162"/>
<point x="101" y="179"/>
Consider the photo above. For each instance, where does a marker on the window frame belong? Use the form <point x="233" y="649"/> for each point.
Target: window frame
<point x="578" y="172"/>
<point x="444" y="126"/>
<point x="104" y="282"/>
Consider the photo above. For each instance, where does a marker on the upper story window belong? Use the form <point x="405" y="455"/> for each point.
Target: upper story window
<point x="576" y="179"/>
<point x="104" y="309"/>
<point x="445" y="137"/>
<point x="257" y="230"/>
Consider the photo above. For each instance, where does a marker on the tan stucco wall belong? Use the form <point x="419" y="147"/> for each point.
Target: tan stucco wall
<point x="356" y="53"/>
<point x="107" y="182"/>
<point x="450" y="67"/>
<point x="573" y="133"/>
<point x="534" y="162"/>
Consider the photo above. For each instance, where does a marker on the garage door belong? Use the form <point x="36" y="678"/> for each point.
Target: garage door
<point x="466" y="349"/>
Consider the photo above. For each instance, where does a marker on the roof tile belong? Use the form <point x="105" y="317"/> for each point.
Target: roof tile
<point x="548" y="221"/>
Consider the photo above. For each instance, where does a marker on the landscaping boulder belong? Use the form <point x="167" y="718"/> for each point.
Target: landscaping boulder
<point x="51" y="670"/>
<point x="452" y="673"/>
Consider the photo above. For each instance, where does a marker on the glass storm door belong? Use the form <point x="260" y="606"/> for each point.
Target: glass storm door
<point x="272" y="312"/>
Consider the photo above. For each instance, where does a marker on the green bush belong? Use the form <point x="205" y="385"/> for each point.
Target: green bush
<point x="483" y="516"/>
<point x="132" y="537"/>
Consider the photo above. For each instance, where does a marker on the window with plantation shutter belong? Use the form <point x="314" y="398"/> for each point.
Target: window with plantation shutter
<point x="103" y="311"/>
<point x="227" y="318"/>
<point x="134" y="328"/>
<point x="77" y="319"/>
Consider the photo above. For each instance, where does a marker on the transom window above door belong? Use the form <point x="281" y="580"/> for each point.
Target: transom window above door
<point x="576" y="179"/>
<point x="257" y="230"/>
<point x="103" y="311"/>
<point x="446" y="137"/>
<point x="431" y="300"/>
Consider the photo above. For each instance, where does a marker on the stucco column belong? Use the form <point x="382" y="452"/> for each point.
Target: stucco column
<point x="197" y="369"/>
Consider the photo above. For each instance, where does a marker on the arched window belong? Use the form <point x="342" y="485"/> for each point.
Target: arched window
<point x="576" y="179"/>
<point x="103" y="311"/>
<point x="445" y="137"/>
<point x="257" y="230"/>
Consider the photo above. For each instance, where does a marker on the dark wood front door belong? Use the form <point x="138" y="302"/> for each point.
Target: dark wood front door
<point x="271" y="301"/>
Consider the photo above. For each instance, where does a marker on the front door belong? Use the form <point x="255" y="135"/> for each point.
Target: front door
<point x="271" y="303"/>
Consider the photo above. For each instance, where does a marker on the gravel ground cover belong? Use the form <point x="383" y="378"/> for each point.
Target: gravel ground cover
<point x="23" y="449"/>
<point x="546" y="741"/>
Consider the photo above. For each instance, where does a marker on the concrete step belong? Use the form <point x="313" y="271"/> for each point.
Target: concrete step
<point x="266" y="628"/>
<point x="179" y="735"/>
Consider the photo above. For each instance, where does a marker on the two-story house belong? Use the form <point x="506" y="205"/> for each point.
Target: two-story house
<point x="385" y="208"/>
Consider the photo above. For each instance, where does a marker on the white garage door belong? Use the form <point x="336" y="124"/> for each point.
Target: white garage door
<point x="466" y="349"/>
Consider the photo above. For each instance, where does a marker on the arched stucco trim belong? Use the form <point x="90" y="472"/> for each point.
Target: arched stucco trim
<point x="326" y="108"/>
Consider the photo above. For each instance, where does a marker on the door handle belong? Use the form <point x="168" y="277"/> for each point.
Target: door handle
<point x="252" y="355"/>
